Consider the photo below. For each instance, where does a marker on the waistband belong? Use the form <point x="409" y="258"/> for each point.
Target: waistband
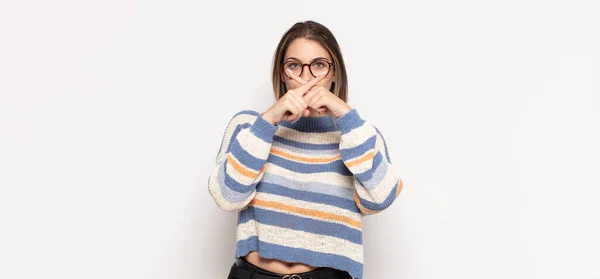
<point x="245" y="268"/>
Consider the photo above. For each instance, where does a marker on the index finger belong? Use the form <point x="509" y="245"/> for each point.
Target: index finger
<point x="298" y="79"/>
<point x="310" y="84"/>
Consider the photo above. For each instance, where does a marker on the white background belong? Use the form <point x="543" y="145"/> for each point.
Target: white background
<point x="112" y="112"/>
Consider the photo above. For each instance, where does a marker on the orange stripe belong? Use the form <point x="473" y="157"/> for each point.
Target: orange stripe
<point x="304" y="159"/>
<point x="365" y="157"/>
<point x="357" y="200"/>
<point x="362" y="208"/>
<point x="399" y="187"/>
<point x="307" y="212"/>
<point x="241" y="169"/>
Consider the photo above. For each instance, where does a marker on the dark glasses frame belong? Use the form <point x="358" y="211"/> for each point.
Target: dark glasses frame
<point x="304" y="64"/>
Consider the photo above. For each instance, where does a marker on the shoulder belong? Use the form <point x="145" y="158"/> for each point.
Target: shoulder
<point x="242" y="117"/>
<point x="247" y="112"/>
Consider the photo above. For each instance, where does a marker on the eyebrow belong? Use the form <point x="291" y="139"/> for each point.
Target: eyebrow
<point x="317" y="58"/>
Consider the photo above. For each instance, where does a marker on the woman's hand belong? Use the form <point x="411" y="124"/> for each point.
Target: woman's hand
<point x="291" y="106"/>
<point x="321" y="99"/>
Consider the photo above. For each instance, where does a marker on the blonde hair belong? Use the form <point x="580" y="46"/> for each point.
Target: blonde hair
<point x="316" y="32"/>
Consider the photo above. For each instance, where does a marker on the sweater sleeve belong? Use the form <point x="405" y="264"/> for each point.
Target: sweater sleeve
<point x="364" y="152"/>
<point x="240" y="162"/>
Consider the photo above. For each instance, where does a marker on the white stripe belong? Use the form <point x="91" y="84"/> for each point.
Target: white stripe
<point x="246" y="230"/>
<point x="381" y="191"/>
<point x="306" y="137"/>
<point x="253" y="144"/>
<point x="215" y="190"/>
<point x="357" y="136"/>
<point x="324" y="177"/>
<point x="307" y="152"/>
<point x="239" y="119"/>
<point x="302" y="239"/>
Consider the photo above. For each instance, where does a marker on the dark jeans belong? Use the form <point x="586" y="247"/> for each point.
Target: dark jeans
<point x="243" y="269"/>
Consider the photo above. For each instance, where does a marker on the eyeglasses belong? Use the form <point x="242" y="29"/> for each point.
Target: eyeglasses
<point x="315" y="68"/>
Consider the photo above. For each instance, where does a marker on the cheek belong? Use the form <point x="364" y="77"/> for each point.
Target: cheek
<point x="326" y="82"/>
<point x="289" y="85"/>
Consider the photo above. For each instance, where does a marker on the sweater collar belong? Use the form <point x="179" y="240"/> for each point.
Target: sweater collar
<point x="312" y="124"/>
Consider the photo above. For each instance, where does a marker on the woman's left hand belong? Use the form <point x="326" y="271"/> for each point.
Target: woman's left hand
<point x="321" y="99"/>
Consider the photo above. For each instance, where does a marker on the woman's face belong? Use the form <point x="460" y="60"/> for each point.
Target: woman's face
<point x="305" y="51"/>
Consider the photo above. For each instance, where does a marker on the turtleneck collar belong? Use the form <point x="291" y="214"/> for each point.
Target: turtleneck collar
<point x="312" y="124"/>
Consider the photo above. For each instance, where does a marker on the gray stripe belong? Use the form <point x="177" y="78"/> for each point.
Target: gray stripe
<point x="378" y="176"/>
<point x="228" y="194"/>
<point x="316" y="187"/>
<point x="284" y="146"/>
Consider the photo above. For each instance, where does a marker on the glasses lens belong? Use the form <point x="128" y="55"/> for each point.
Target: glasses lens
<point x="295" y="67"/>
<point x="318" y="67"/>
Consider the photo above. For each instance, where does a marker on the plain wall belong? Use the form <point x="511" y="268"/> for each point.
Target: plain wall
<point x="112" y="113"/>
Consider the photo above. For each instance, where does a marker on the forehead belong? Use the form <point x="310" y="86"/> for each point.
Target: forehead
<point x="306" y="50"/>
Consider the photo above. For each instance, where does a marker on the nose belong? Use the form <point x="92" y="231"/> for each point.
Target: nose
<point x="306" y="72"/>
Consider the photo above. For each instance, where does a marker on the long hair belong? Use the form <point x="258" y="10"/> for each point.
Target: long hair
<point x="316" y="32"/>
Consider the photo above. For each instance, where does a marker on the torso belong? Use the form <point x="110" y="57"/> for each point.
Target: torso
<point x="275" y="265"/>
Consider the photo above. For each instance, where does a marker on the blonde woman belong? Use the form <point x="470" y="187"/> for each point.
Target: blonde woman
<point x="302" y="174"/>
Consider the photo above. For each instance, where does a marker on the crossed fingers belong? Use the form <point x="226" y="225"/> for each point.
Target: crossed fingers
<point x="306" y="85"/>
<point x="301" y="91"/>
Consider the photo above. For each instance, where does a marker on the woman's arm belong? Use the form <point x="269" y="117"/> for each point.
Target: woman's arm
<point x="240" y="162"/>
<point x="364" y="152"/>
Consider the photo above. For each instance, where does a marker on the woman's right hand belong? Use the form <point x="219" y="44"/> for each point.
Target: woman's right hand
<point x="291" y="106"/>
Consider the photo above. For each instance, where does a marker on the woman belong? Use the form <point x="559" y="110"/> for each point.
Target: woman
<point x="303" y="174"/>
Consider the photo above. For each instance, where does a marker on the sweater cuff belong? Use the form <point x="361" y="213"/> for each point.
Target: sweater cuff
<point x="263" y="129"/>
<point x="349" y="121"/>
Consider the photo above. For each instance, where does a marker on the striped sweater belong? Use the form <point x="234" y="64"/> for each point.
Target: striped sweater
<point x="301" y="189"/>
